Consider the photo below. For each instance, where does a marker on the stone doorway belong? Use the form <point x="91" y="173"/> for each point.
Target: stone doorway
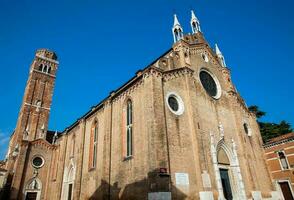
<point x="31" y="196"/>
<point x="33" y="189"/>
<point x="286" y="190"/>
<point x="224" y="173"/>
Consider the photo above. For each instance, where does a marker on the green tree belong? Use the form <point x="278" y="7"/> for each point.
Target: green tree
<point x="270" y="130"/>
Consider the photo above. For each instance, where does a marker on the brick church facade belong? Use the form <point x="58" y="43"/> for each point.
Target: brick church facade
<point x="177" y="130"/>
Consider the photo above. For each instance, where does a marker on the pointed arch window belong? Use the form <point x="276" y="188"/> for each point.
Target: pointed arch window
<point x="45" y="68"/>
<point x="283" y="160"/>
<point x="129" y="128"/>
<point x="41" y="67"/>
<point x="93" y="145"/>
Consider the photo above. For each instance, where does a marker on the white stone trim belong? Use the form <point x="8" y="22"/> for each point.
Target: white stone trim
<point x="216" y="168"/>
<point x="48" y="59"/>
<point x="67" y="180"/>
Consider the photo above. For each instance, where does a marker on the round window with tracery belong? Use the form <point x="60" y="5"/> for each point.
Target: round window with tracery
<point x="210" y="84"/>
<point x="37" y="162"/>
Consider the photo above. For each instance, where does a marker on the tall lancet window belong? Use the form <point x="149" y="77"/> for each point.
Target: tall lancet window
<point x="283" y="160"/>
<point x="93" y="145"/>
<point x="129" y="127"/>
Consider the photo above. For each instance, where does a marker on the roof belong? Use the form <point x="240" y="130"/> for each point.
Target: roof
<point x="280" y="139"/>
<point x="50" y="135"/>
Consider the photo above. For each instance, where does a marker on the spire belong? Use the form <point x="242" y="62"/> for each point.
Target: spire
<point x="177" y="29"/>
<point x="220" y="56"/>
<point x="195" y="24"/>
<point x="176" y="21"/>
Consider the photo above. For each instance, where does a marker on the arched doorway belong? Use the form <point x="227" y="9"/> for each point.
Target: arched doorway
<point x="225" y="173"/>
<point x="33" y="189"/>
<point x="68" y="184"/>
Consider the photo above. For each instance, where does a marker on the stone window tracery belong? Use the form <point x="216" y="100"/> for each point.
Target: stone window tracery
<point x="129" y="127"/>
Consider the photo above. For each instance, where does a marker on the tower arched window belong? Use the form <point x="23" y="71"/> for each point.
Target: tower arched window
<point x="41" y="67"/>
<point x="45" y="68"/>
<point x="49" y="70"/>
<point x="129" y="129"/>
<point x="283" y="160"/>
<point x="194" y="27"/>
<point x="93" y="145"/>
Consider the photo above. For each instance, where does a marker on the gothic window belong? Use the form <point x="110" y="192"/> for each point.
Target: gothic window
<point x="41" y="67"/>
<point x="283" y="160"/>
<point x="45" y="69"/>
<point x="210" y="84"/>
<point x="49" y="70"/>
<point x="93" y="145"/>
<point x="129" y="127"/>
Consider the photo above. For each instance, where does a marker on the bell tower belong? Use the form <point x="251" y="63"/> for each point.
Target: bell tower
<point x="32" y="122"/>
<point x="33" y="118"/>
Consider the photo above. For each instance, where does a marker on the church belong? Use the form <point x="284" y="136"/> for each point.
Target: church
<point x="176" y="130"/>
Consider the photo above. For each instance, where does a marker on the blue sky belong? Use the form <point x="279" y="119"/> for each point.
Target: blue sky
<point x="101" y="44"/>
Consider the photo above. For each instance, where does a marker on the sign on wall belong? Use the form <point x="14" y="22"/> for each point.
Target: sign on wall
<point x="182" y="178"/>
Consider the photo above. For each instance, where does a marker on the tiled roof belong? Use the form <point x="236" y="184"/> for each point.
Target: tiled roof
<point x="280" y="139"/>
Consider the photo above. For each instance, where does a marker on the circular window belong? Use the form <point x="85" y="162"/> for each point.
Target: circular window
<point x="38" y="162"/>
<point x="175" y="103"/>
<point x="210" y="84"/>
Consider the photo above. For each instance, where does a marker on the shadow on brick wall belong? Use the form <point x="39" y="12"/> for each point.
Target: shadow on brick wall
<point x="154" y="182"/>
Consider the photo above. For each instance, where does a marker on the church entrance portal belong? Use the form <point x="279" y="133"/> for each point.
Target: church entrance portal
<point x="226" y="184"/>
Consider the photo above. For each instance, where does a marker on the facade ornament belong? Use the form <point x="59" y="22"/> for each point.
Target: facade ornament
<point x="55" y="138"/>
<point x="26" y="133"/>
<point x="221" y="130"/>
<point x="195" y="24"/>
<point x="38" y="104"/>
<point x="15" y="151"/>
<point x="35" y="173"/>
<point x="41" y="134"/>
